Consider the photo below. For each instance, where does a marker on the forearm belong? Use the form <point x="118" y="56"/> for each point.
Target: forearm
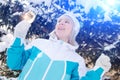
<point x="15" y="55"/>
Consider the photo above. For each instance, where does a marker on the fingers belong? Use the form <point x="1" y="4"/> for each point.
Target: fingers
<point x="28" y="16"/>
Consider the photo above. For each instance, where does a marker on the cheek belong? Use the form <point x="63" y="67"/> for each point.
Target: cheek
<point x="56" y="27"/>
<point x="69" y="29"/>
<point x="56" y="30"/>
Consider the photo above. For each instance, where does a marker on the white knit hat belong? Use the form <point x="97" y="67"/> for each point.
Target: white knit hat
<point x="76" y="28"/>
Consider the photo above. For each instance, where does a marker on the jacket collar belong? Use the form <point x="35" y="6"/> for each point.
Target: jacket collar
<point x="54" y="38"/>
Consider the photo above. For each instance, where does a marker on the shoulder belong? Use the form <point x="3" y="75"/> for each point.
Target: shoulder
<point x="38" y="43"/>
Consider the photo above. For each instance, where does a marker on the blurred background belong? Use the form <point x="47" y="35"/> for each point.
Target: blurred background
<point x="99" y="33"/>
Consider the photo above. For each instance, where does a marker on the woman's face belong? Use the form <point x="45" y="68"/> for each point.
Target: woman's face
<point x="64" y="27"/>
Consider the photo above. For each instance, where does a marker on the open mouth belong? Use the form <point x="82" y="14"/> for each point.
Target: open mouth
<point x="61" y="28"/>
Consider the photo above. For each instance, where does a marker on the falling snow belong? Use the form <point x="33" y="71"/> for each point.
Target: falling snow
<point x="100" y="31"/>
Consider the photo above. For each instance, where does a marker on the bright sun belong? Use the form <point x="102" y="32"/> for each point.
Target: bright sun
<point x="110" y="2"/>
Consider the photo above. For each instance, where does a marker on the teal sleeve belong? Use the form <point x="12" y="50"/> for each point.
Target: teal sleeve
<point x="16" y="55"/>
<point x="93" y="75"/>
<point x="75" y="74"/>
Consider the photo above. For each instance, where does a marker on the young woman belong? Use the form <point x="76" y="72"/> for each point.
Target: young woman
<point x="53" y="59"/>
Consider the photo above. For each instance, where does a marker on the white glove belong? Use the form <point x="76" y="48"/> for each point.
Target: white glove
<point x="28" y="16"/>
<point x="21" y="29"/>
<point x="104" y="62"/>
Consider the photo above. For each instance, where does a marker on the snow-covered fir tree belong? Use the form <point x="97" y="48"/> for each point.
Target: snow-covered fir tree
<point x="100" y="31"/>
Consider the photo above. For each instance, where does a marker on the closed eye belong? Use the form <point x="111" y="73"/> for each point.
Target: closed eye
<point x="59" y="21"/>
<point x="67" y="22"/>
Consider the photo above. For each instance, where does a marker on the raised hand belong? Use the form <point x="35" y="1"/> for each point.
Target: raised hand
<point x="28" y="16"/>
<point x="104" y="62"/>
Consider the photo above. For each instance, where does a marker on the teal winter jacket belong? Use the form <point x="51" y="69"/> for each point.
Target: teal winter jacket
<point x="48" y="60"/>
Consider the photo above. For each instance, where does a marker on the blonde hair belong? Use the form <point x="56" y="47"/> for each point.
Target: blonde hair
<point x="75" y="31"/>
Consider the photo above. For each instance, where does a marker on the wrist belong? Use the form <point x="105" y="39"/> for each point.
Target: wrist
<point x="99" y="70"/>
<point x="17" y="41"/>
